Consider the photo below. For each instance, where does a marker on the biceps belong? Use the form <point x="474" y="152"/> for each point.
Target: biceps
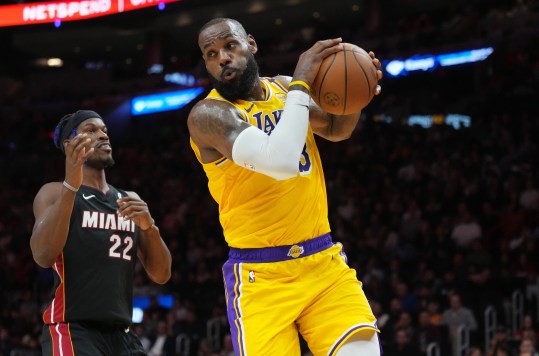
<point x="217" y="134"/>
<point x="223" y="143"/>
<point x="42" y="208"/>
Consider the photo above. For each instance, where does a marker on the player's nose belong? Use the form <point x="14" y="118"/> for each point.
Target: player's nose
<point x="224" y="58"/>
<point x="103" y="135"/>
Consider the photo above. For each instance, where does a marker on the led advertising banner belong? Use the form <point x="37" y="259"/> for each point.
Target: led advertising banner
<point x="173" y="100"/>
<point x="428" y="62"/>
<point x="69" y="10"/>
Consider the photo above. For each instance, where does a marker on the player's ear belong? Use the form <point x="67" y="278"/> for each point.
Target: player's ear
<point x="253" y="47"/>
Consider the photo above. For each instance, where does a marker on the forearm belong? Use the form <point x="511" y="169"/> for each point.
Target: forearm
<point x="339" y="127"/>
<point x="342" y="126"/>
<point x="332" y="127"/>
<point x="155" y="255"/>
<point x="50" y="233"/>
<point x="278" y="154"/>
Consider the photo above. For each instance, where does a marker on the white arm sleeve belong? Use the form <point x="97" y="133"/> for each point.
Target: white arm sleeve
<point x="278" y="154"/>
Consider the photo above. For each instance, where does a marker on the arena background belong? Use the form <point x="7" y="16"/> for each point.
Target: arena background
<point x="425" y="207"/>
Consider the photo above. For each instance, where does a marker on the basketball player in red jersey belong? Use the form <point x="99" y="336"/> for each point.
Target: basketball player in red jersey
<point x="91" y="233"/>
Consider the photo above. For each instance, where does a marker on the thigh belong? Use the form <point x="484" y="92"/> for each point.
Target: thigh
<point x="262" y="309"/>
<point x="70" y="339"/>
<point x="339" y="310"/>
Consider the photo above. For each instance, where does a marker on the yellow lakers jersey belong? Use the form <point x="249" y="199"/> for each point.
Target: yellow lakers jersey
<point x="256" y="210"/>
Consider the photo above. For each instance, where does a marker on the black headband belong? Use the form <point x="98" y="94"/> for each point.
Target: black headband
<point x="68" y="125"/>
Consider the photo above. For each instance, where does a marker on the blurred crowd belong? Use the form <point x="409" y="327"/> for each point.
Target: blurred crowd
<point x="439" y="223"/>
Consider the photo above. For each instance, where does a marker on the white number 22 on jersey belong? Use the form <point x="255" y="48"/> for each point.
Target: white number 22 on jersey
<point x="117" y="245"/>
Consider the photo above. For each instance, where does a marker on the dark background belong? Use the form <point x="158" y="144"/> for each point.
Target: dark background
<point x="400" y="197"/>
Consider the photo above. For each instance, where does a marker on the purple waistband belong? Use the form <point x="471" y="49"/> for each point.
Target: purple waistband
<point x="280" y="253"/>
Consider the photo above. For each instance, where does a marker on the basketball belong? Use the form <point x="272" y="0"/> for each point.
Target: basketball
<point x="345" y="82"/>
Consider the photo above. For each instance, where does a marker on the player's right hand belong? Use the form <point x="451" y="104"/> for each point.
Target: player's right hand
<point x="309" y="61"/>
<point x="77" y="151"/>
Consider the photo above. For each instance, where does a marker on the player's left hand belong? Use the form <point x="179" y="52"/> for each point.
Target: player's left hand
<point x="137" y="210"/>
<point x="379" y="73"/>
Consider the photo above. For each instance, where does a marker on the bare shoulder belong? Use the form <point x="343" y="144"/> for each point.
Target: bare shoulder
<point x="211" y="116"/>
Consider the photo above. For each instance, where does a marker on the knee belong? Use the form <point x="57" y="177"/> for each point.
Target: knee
<point x="363" y="342"/>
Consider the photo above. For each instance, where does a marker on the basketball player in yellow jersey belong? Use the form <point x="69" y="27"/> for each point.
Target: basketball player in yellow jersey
<point x="255" y="140"/>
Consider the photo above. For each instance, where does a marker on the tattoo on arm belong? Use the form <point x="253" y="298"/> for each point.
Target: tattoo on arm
<point x="208" y="125"/>
<point x="217" y="124"/>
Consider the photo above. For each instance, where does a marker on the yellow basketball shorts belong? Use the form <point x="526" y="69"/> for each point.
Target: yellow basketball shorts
<point x="272" y="293"/>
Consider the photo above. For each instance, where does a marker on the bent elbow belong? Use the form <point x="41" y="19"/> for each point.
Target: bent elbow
<point x="40" y="255"/>
<point x="42" y="261"/>
<point x="162" y="278"/>
<point x="286" y="171"/>
<point x="340" y="137"/>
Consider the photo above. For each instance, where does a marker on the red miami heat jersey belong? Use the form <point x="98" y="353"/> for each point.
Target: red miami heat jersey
<point x="93" y="276"/>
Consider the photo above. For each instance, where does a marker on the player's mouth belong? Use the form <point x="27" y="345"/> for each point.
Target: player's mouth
<point x="229" y="74"/>
<point x="104" y="147"/>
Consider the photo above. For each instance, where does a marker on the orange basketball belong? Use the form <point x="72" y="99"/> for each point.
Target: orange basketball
<point x="345" y="82"/>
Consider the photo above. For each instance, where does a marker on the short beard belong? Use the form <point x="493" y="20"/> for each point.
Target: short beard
<point x="241" y="86"/>
<point x="100" y="163"/>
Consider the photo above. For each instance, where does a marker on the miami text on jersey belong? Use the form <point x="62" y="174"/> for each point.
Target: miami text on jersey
<point x="106" y="221"/>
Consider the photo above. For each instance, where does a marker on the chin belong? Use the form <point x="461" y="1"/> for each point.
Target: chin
<point x="101" y="162"/>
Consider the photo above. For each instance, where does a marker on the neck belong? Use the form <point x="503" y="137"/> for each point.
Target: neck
<point x="258" y="91"/>
<point x="96" y="179"/>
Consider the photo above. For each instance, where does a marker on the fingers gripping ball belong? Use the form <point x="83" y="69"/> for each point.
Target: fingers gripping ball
<point x="345" y="82"/>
